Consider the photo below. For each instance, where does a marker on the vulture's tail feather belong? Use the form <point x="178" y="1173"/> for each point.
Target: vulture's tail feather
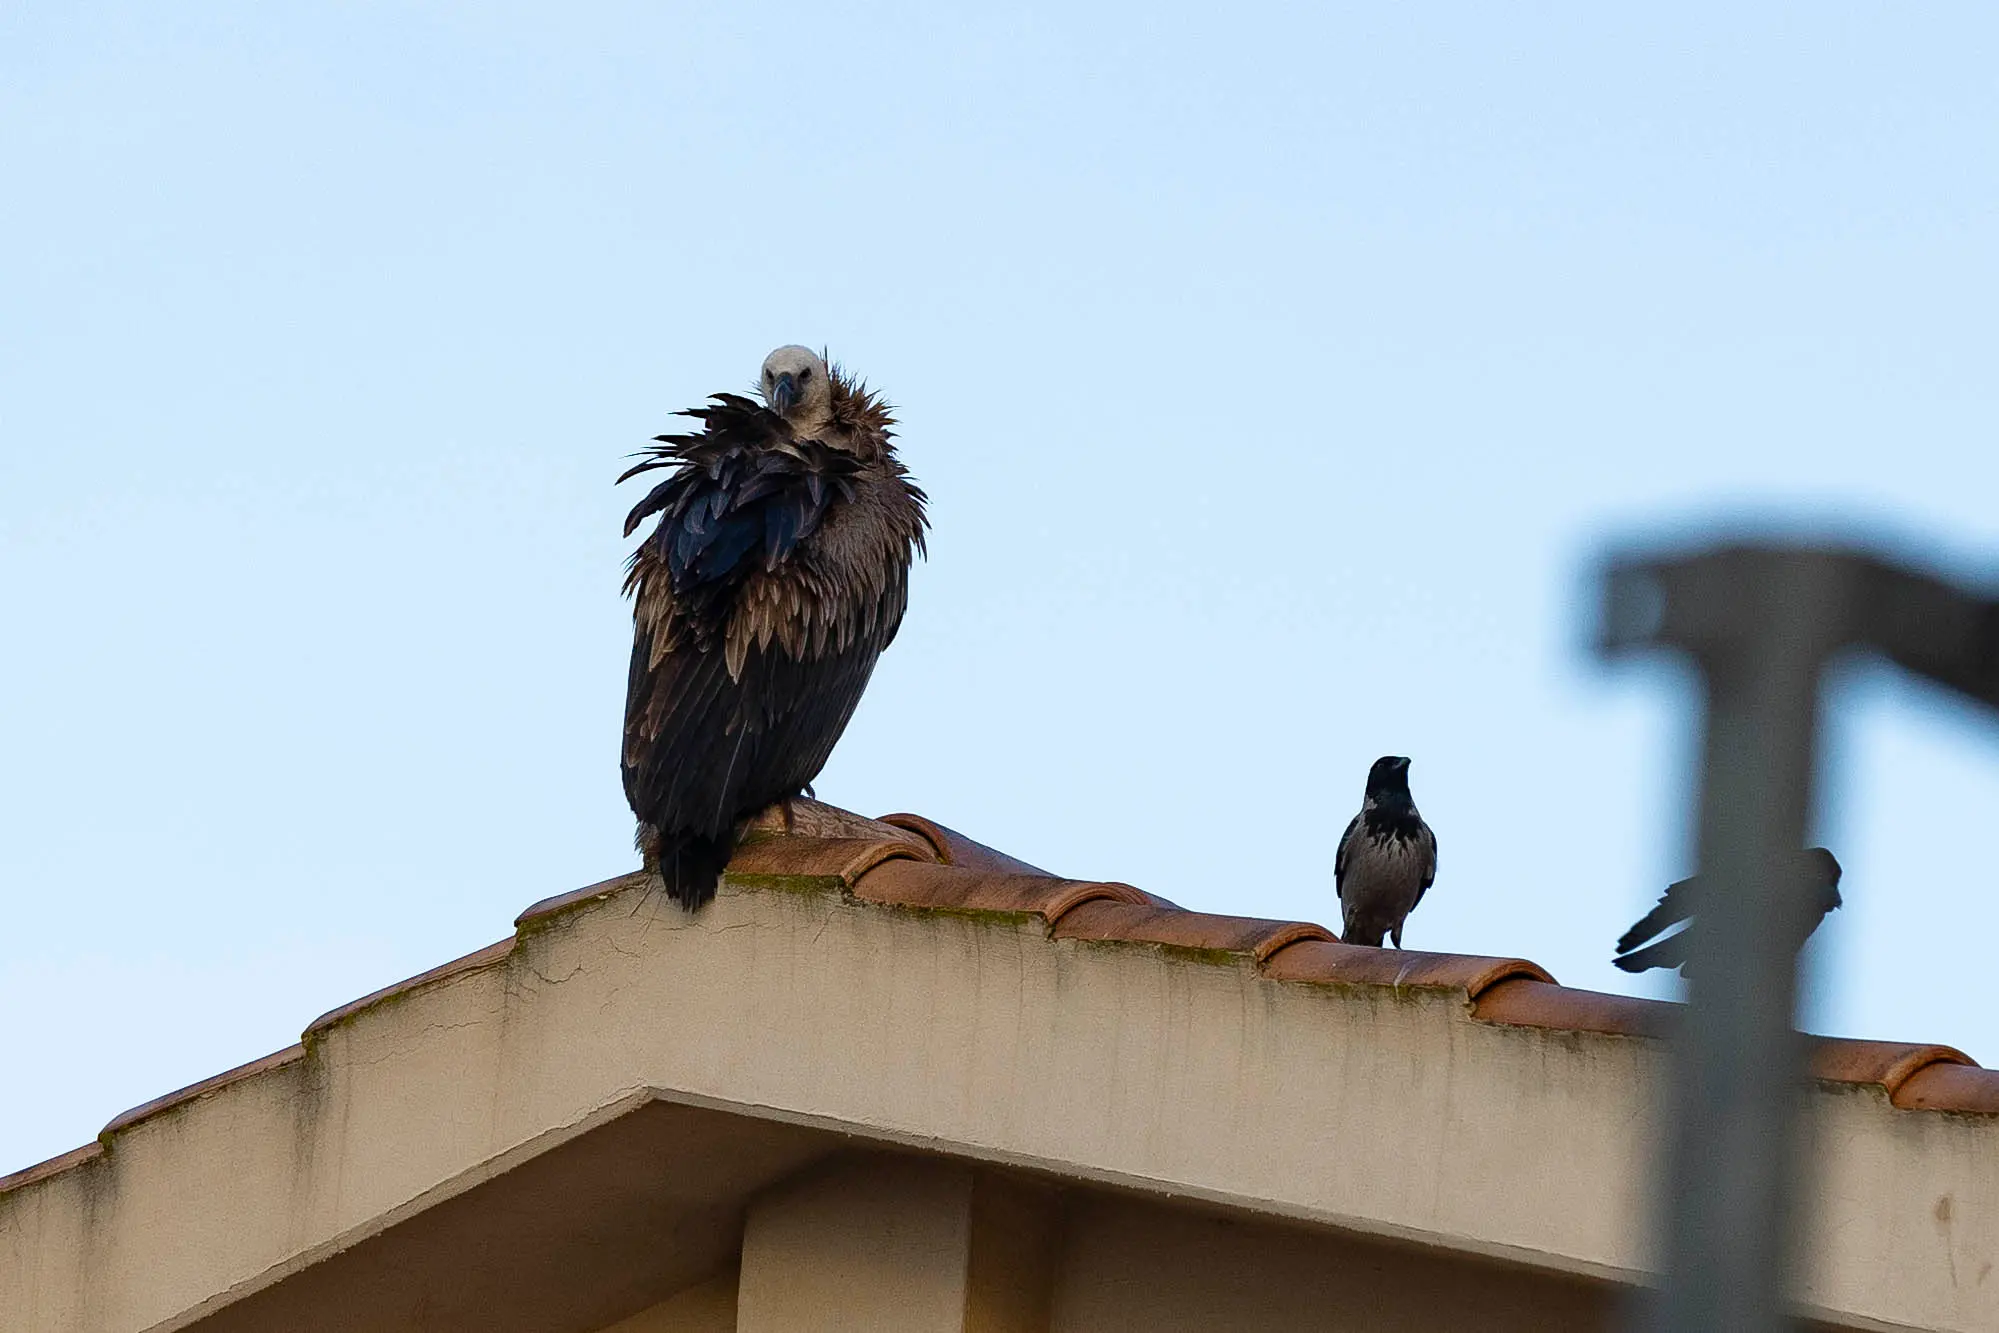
<point x="691" y="866"/>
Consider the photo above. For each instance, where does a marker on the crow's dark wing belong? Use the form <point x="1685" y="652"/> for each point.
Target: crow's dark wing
<point x="1674" y="906"/>
<point x="1429" y="837"/>
<point x="1340" y="858"/>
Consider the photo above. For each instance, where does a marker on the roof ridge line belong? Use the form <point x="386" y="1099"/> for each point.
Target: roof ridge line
<point x="1502" y="991"/>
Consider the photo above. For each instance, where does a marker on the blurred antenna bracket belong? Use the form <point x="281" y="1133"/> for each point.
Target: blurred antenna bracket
<point x="1761" y="622"/>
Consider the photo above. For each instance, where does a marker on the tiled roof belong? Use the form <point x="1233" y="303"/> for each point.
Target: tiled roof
<point x="907" y="862"/>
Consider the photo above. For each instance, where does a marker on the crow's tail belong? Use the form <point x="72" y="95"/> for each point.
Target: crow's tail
<point x="1362" y="932"/>
<point x="1673" y="908"/>
<point x="1669" y="952"/>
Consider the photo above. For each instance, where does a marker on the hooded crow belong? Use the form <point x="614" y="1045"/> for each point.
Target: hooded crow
<point x="1387" y="858"/>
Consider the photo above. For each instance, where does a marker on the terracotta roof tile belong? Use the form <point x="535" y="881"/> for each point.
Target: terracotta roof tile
<point x="843" y="859"/>
<point x="919" y="884"/>
<point x="1916" y="1077"/>
<point x="28" y="1175"/>
<point x="492" y="953"/>
<point x="816" y="819"/>
<point x="195" y="1091"/>
<point x="1149" y="923"/>
<point x="1888" y="1063"/>
<point x="955" y="849"/>
<point x="1523" y="1002"/>
<point x="562" y="902"/>
<point x="1950" y="1087"/>
<point x="1331" y="963"/>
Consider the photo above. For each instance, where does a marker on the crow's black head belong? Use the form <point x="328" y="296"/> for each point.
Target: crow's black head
<point x="1825" y="877"/>
<point x="1388" y="777"/>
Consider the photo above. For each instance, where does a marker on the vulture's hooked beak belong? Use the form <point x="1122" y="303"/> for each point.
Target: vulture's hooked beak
<point x="784" y="395"/>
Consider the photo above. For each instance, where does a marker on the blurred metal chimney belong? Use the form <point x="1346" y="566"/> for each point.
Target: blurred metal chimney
<point x="1761" y="622"/>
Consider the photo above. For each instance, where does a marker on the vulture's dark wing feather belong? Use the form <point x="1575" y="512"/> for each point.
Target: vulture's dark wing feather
<point x="733" y="511"/>
<point x="658" y="498"/>
<point x="683" y="701"/>
<point x="802" y="708"/>
<point x="701" y="747"/>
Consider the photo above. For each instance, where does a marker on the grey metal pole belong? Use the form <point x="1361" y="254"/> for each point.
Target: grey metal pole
<point x="1761" y="623"/>
<point x="1759" y="637"/>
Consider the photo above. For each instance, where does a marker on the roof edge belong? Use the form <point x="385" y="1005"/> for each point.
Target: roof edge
<point x="955" y="849"/>
<point x="1946" y="1086"/>
<point x="929" y="884"/>
<point x="1888" y="1064"/>
<point x="479" y="958"/>
<point x="196" y="1091"/>
<point x="544" y="908"/>
<point x="1916" y="1076"/>
<point x="845" y="859"/>
<point x="1522" y="1001"/>
<point x="907" y="861"/>
<point x="53" y="1166"/>
<point x="1111" y="920"/>
<point x="1328" y="962"/>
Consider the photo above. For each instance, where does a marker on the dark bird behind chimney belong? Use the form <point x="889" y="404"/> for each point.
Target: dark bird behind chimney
<point x="1677" y="905"/>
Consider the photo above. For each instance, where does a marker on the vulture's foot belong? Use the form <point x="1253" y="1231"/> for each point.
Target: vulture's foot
<point x="790" y="804"/>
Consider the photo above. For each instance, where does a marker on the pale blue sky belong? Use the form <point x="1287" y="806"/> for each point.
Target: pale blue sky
<point x="1275" y="372"/>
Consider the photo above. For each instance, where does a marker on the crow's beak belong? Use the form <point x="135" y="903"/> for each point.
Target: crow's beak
<point x="784" y="395"/>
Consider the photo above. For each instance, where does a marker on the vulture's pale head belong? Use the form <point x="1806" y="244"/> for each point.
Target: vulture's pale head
<point x="797" y="386"/>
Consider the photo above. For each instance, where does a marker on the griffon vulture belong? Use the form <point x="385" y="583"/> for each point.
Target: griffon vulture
<point x="777" y="573"/>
